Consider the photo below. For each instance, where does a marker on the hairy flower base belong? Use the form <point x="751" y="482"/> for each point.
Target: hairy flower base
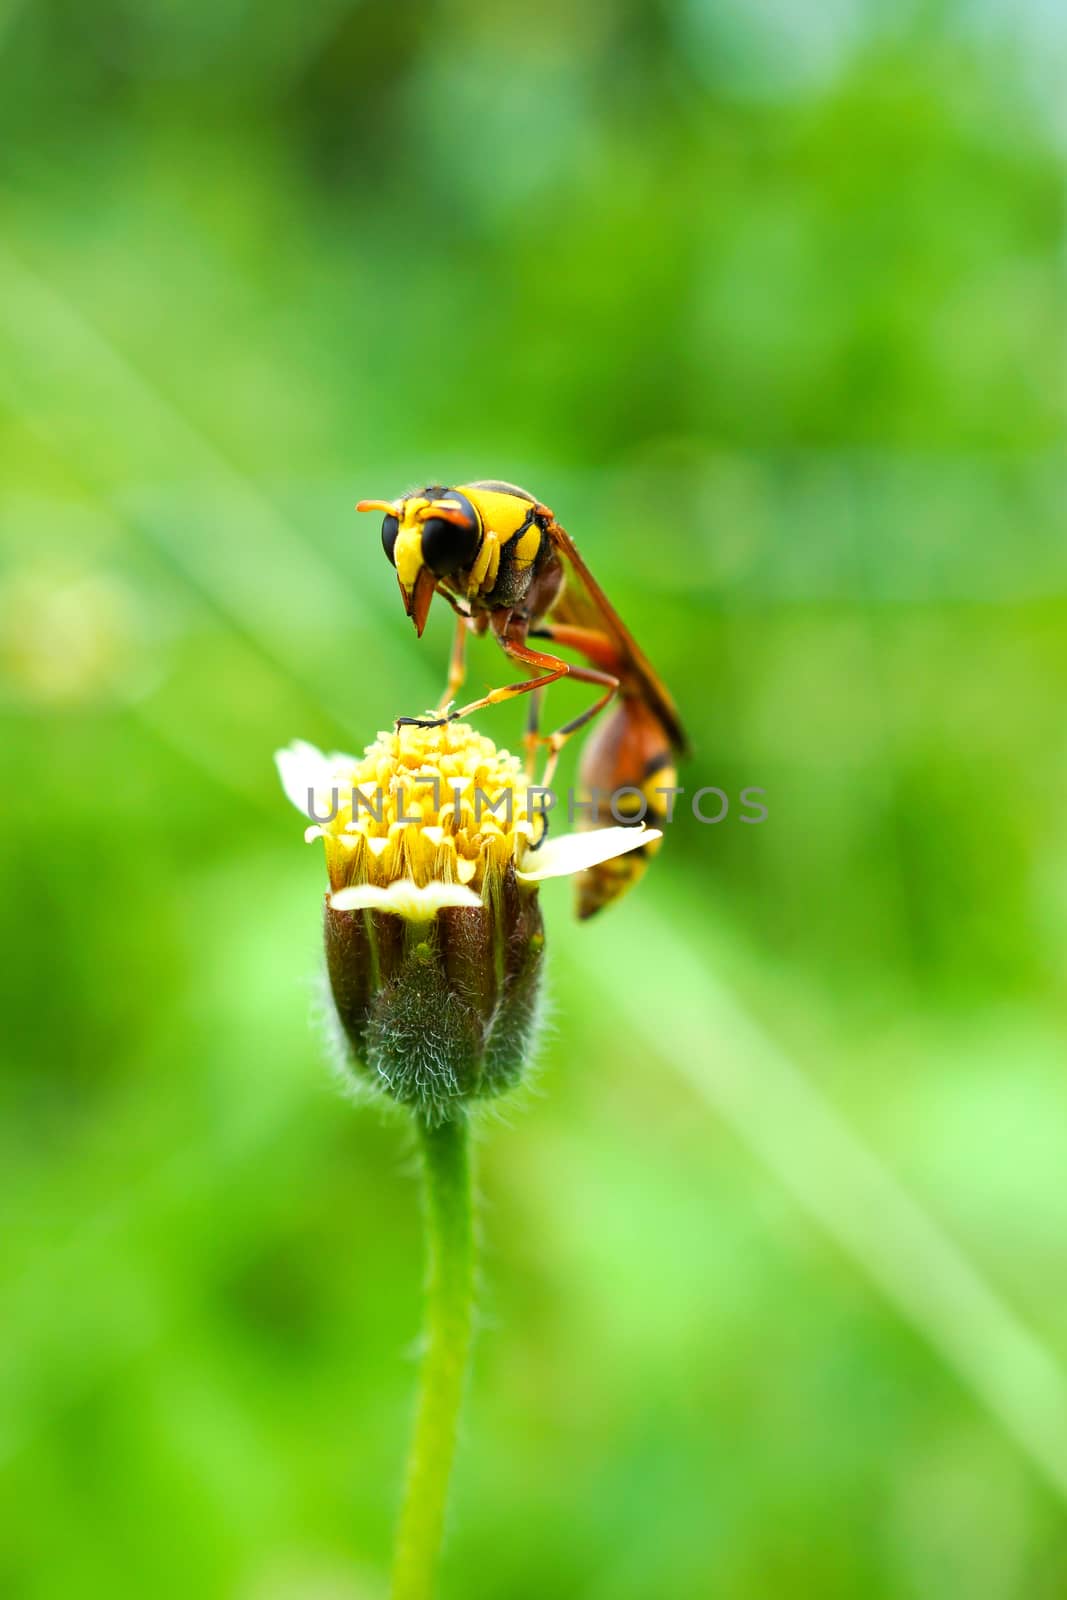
<point x="445" y="1010"/>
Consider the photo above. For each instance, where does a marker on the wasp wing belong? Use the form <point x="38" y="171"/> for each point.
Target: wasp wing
<point x="584" y="604"/>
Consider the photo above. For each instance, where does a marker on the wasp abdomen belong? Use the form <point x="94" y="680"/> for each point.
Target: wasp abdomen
<point x="625" y="777"/>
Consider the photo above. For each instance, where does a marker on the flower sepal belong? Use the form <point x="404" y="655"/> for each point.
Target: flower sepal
<point x="437" y="994"/>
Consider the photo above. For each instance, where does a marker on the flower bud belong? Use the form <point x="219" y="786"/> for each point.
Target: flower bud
<point x="442" y="1009"/>
<point x="433" y="931"/>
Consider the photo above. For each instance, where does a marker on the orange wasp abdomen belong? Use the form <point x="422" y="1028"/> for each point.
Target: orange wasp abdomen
<point x="626" y="764"/>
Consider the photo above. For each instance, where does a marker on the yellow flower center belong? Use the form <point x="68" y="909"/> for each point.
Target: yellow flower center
<point x="433" y="805"/>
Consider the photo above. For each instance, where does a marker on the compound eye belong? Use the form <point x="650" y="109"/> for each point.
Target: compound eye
<point x="390" y="529"/>
<point x="447" y="546"/>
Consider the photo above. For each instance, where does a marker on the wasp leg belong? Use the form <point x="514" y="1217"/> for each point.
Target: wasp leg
<point x="457" y="666"/>
<point x="532" y="737"/>
<point x="552" y="668"/>
<point x="557" y="740"/>
<point x="595" y="646"/>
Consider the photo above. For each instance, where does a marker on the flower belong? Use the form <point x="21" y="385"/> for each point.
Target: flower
<point x="434" y="939"/>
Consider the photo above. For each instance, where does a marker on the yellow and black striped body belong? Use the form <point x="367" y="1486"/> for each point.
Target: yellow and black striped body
<point x="515" y="555"/>
<point x="503" y="562"/>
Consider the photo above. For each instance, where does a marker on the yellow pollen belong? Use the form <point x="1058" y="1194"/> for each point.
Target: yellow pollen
<point x="437" y="805"/>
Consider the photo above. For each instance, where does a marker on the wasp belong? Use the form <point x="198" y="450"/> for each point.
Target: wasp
<point x="503" y="563"/>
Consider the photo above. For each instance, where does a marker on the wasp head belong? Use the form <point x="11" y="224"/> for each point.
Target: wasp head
<point x="428" y="535"/>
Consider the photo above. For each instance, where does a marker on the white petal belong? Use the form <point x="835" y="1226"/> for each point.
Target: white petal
<point x="299" y="768"/>
<point x="302" y="767"/>
<point x="406" y="899"/>
<point x="574" y="852"/>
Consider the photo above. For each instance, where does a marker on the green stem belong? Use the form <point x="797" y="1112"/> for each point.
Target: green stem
<point x="449" y="1297"/>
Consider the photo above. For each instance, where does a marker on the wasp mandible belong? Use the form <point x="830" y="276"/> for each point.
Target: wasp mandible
<point x="504" y="565"/>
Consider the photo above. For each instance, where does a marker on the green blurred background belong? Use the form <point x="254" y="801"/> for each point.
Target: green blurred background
<point x="768" y="301"/>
